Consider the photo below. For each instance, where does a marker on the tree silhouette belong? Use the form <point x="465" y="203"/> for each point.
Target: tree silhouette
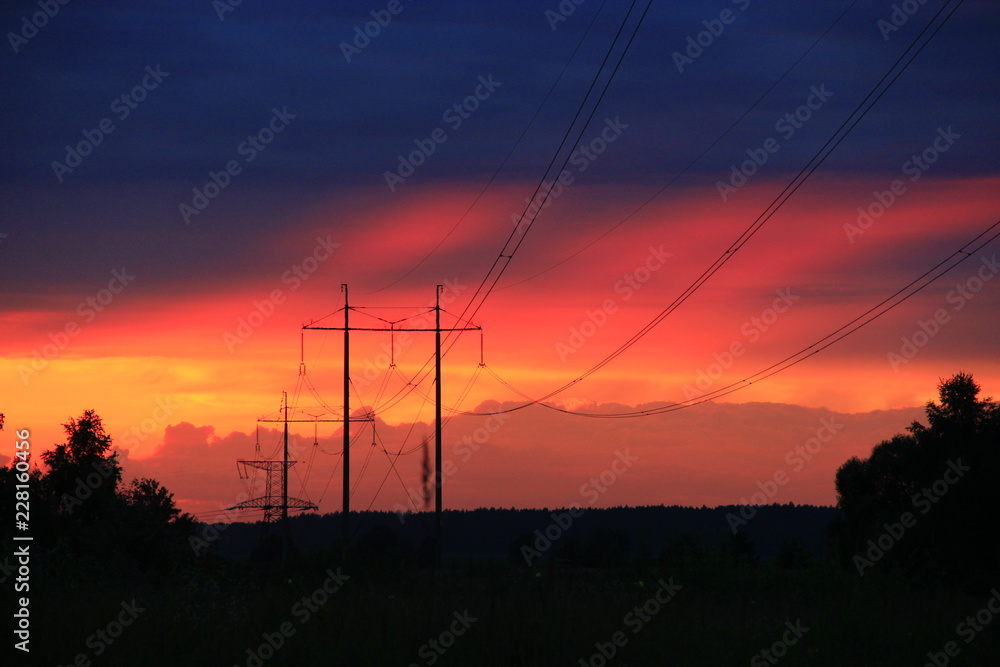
<point x="922" y="493"/>
<point x="151" y="500"/>
<point x="83" y="513"/>
<point x="154" y="530"/>
<point x="84" y="474"/>
<point x="961" y="418"/>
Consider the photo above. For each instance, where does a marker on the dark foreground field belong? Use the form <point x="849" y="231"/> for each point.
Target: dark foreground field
<point x="314" y="611"/>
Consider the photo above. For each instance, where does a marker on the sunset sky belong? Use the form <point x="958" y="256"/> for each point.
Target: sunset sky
<point x="185" y="184"/>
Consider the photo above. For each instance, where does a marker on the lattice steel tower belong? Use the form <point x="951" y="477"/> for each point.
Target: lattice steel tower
<point x="275" y="501"/>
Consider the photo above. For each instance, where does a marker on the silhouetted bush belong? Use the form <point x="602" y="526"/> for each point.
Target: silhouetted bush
<point x="919" y="501"/>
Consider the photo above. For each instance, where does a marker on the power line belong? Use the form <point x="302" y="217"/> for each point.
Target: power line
<point x="797" y="181"/>
<point x="506" y="158"/>
<point x="507" y="252"/>
<point x="867" y="317"/>
<point x="690" y="164"/>
<point x="517" y="235"/>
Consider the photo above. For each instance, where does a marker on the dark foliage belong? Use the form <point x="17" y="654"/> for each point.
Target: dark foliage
<point x="85" y="521"/>
<point x="919" y="502"/>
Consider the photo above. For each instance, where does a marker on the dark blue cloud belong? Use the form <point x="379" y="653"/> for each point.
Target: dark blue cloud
<point x="352" y="119"/>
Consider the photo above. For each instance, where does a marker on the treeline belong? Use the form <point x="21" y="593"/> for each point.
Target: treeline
<point x="84" y="520"/>
<point x="607" y="537"/>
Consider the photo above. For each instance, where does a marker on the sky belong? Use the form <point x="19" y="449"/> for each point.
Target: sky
<point x="184" y="185"/>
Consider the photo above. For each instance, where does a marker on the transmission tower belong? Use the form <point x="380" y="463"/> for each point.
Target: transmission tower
<point x="275" y="501"/>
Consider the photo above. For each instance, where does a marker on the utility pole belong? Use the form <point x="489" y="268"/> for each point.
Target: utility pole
<point x="284" y="480"/>
<point x="437" y="424"/>
<point x="438" y="473"/>
<point x="347" y="422"/>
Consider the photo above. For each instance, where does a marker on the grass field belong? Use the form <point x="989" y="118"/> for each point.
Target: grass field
<point x="494" y="613"/>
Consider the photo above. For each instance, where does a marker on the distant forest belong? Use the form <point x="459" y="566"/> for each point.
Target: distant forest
<point x="611" y="536"/>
